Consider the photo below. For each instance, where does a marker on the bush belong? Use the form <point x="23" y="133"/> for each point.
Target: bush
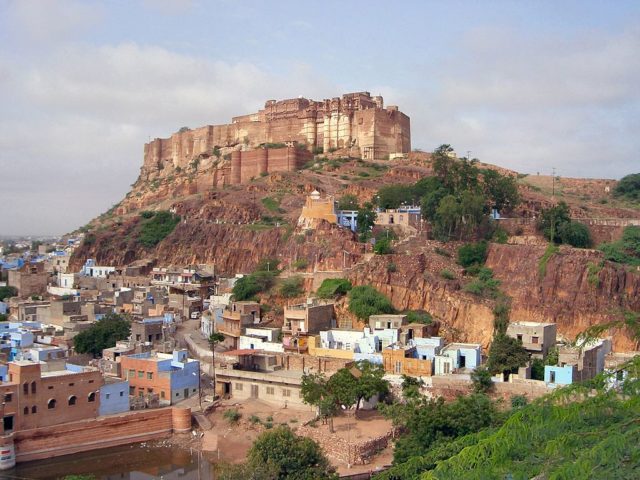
<point x="575" y="234"/>
<point x="254" y="419"/>
<point x="481" y="379"/>
<point x="271" y="204"/>
<point x="291" y="287"/>
<point x="391" y="267"/>
<point x="383" y="247"/>
<point x="628" y="187"/>
<point x="542" y="263"/>
<point x="301" y="263"/>
<point x="156" y="228"/>
<point x="472" y="254"/>
<point x="8" y="292"/>
<point x="484" y="285"/>
<point x="518" y="401"/>
<point x="419" y="316"/>
<point x="348" y="202"/>
<point x="447" y="274"/>
<point x="332" y="287"/>
<point x="147" y="214"/>
<point x="232" y="415"/>
<point x="626" y="250"/>
<point x="500" y="235"/>
<point x="365" y="301"/>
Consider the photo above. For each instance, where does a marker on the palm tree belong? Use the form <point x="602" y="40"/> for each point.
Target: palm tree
<point x="214" y="339"/>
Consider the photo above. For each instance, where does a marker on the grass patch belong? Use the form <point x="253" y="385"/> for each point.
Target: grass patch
<point x="232" y="415"/>
<point x="548" y="253"/>
<point x="156" y="228"/>
<point x="447" y="274"/>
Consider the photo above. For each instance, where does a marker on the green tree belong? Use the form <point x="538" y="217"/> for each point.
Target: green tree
<point x="365" y="301"/>
<point x="366" y="219"/>
<point x="291" y="287"/>
<point x="155" y="229"/>
<point x="447" y="217"/>
<point x="472" y="254"/>
<point x="628" y="187"/>
<point x="294" y="457"/>
<point x="502" y="190"/>
<point x="332" y="287"/>
<point x="214" y="339"/>
<point x="348" y="202"/>
<point x="506" y="355"/>
<point x="102" y="334"/>
<point x="393" y="196"/>
<point x="481" y="380"/>
<point x="383" y="247"/>
<point x="552" y="219"/>
<point x="8" y="292"/>
<point x="575" y="234"/>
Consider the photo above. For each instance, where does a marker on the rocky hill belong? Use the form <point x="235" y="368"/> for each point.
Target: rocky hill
<point x="235" y="226"/>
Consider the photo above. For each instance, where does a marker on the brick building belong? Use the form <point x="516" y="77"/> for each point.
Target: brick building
<point x="235" y="318"/>
<point x="30" y="279"/>
<point x="36" y="398"/>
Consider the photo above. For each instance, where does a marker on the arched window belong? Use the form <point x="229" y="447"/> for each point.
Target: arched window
<point x="26" y="410"/>
<point x="34" y="409"/>
<point x="33" y="387"/>
<point x="51" y="403"/>
<point x="25" y="388"/>
<point x="92" y="397"/>
<point x="72" y="400"/>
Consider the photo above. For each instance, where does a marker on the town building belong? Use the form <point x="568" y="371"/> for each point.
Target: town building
<point x="403" y="360"/>
<point x="235" y="318"/>
<point x="28" y="280"/>
<point x="387" y="321"/>
<point x="578" y="363"/>
<point x="317" y="209"/>
<point x="303" y="320"/>
<point x="537" y="338"/>
<point x="458" y="358"/>
<point x="267" y="339"/>
<point x="173" y="377"/>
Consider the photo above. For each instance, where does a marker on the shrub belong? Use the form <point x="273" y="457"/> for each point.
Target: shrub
<point x="271" y="204"/>
<point x="301" y="263"/>
<point x="383" y="247"/>
<point x="157" y="228"/>
<point x="484" y="284"/>
<point x="365" y="300"/>
<point x="575" y="234"/>
<point x="147" y="214"/>
<point x="500" y="235"/>
<point x="472" y="253"/>
<point x="419" y="316"/>
<point x="447" y="274"/>
<point x="254" y="419"/>
<point x="8" y="292"/>
<point x="518" y="401"/>
<point x="332" y="287"/>
<point x="232" y="415"/>
<point x="442" y="252"/>
<point x="628" y="187"/>
<point x="542" y="263"/>
<point x="481" y="379"/>
<point x="291" y="287"/>
<point x="348" y="202"/>
<point x="391" y="267"/>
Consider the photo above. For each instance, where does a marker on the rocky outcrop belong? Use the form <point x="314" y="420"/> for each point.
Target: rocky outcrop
<point x="577" y="290"/>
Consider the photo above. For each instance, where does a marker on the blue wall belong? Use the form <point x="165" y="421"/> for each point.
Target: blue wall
<point x="114" y="398"/>
<point x="564" y="375"/>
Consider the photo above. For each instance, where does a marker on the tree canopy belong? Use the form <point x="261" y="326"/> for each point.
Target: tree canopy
<point x="556" y="225"/>
<point x="364" y="301"/>
<point x="102" y="334"/>
<point x="8" y="292"/>
<point x="628" y="187"/>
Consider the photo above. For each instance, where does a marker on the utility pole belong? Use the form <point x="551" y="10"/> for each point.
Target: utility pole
<point x="553" y="205"/>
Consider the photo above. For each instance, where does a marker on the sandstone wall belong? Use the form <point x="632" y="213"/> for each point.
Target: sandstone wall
<point x="97" y="433"/>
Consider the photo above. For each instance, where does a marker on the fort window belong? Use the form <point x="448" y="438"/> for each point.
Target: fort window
<point x="50" y="387"/>
<point x="92" y="397"/>
<point x="25" y="411"/>
<point x="25" y="388"/>
<point x="90" y="381"/>
<point x="33" y="387"/>
<point x="7" y="423"/>
<point x="71" y="384"/>
<point x="8" y="397"/>
<point x="72" y="400"/>
<point x="34" y="409"/>
<point x="51" y="404"/>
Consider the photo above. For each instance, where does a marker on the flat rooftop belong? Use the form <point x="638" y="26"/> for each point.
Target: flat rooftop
<point x="531" y="324"/>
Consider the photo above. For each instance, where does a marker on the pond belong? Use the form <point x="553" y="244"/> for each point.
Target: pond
<point x="140" y="461"/>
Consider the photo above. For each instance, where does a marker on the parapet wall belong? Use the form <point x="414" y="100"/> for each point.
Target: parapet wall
<point x="246" y="165"/>
<point x="102" y="432"/>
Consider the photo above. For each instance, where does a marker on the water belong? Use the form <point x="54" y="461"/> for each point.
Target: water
<point x="142" y="461"/>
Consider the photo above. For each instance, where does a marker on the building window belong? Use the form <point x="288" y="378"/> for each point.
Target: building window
<point x="149" y="376"/>
<point x="108" y="396"/>
<point x="50" y="387"/>
<point x="140" y="374"/>
<point x="33" y="387"/>
<point x="132" y="390"/>
<point x="270" y="391"/>
<point x="71" y="384"/>
<point x="8" y="397"/>
<point x="72" y="400"/>
<point x="51" y="404"/>
<point x="25" y="411"/>
<point x="534" y="340"/>
<point x="286" y="392"/>
<point x="91" y="397"/>
<point x="90" y="381"/>
<point x="238" y="387"/>
<point x="162" y="394"/>
<point x="122" y="394"/>
<point x="132" y="373"/>
<point x="25" y="388"/>
<point x="34" y="409"/>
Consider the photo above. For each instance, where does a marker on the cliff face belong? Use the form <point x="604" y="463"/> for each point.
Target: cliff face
<point x="575" y="291"/>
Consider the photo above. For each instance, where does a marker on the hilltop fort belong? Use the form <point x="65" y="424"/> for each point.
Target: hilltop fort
<point x="357" y="122"/>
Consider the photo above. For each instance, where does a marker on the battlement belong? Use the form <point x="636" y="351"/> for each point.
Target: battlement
<point x="356" y="121"/>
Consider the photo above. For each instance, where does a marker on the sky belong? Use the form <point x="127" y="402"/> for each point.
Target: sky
<point x="525" y="85"/>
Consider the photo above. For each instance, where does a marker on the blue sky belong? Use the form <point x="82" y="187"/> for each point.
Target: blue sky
<point x="525" y="85"/>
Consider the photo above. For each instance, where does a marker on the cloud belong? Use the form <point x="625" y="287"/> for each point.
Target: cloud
<point x="531" y="103"/>
<point x="83" y="114"/>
